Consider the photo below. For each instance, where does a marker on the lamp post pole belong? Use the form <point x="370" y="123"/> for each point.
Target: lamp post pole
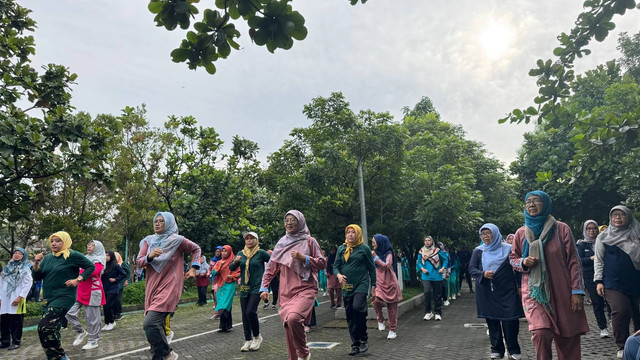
<point x="363" y="210"/>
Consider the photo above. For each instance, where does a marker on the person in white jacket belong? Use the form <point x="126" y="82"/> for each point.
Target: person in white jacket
<point x="15" y="284"/>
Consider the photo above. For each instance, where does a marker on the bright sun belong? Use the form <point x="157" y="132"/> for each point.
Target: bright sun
<point x="495" y="39"/>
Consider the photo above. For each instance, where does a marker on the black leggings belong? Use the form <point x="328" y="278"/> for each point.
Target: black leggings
<point x="356" y="310"/>
<point x="109" y="308"/>
<point x="250" y="324"/>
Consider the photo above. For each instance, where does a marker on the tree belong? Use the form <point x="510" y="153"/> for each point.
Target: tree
<point x="272" y="23"/>
<point x="34" y="150"/>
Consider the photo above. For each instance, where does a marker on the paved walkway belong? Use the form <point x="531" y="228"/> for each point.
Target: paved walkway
<point x="460" y="335"/>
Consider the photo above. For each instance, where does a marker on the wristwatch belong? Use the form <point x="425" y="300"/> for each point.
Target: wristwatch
<point x="79" y="278"/>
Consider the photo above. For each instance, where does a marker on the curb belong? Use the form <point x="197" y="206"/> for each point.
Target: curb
<point x="403" y="308"/>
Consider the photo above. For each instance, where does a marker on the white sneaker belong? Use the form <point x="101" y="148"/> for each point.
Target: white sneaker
<point x="109" y="327"/>
<point x="90" y="345"/>
<point x="324" y="294"/>
<point x="446" y="303"/>
<point x="495" y="356"/>
<point x="438" y="317"/>
<point x="170" y="337"/>
<point x="246" y="346"/>
<point x="459" y="294"/>
<point x="381" y="326"/>
<point x="306" y="357"/>
<point x="604" y="333"/>
<point x="428" y="316"/>
<point x="255" y="343"/>
<point x="392" y="335"/>
<point x="516" y="356"/>
<point x="619" y="354"/>
<point x="453" y="297"/>
<point x="79" y="337"/>
<point x="488" y="332"/>
<point x="171" y="356"/>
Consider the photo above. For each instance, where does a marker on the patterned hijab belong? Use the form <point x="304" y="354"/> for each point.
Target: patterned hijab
<point x="295" y="240"/>
<point x="66" y="243"/>
<point x="14" y="271"/>
<point x="626" y="237"/>
<point x="168" y="241"/>
<point x="430" y="253"/>
<point x="98" y="255"/>
<point x="358" y="241"/>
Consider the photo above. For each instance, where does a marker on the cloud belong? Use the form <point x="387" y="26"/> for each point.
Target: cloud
<point x="382" y="55"/>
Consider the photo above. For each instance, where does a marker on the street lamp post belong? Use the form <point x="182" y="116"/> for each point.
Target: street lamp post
<point x="363" y="210"/>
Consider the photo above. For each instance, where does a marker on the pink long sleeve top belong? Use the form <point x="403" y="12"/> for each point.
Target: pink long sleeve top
<point x="296" y="295"/>
<point x="565" y="277"/>
<point x="90" y="291"/>
<point x="387" y="286"/>
<point x="163" y="289"/>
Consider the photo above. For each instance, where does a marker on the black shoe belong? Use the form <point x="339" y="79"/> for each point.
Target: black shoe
<point x="332" y="306"/>
<point x="471" y="291"/>
<point x="354" y="351"/>
<point x="4" y="346"/>
<point x="118" y="317"/>
<point x="13" y="347"/>
<point x="364" y="346"/>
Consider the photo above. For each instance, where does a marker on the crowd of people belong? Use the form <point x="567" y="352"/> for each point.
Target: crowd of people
<point x="539" y="273"/>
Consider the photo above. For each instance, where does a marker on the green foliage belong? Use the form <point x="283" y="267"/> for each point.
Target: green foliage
<point x="554" y="78"/>
<point x="134" y="293"/>
<point x="272" y="23"/>
<point x="35" y="152"/>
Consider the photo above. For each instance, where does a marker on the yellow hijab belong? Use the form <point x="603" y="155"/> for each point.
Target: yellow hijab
<point x="350" y="246"/>
<point x="66" y="243"/>
<point x="249" y="254"/>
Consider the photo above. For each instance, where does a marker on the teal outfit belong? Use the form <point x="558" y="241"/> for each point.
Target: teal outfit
<point x="256" y="269"/>
<point x="55" y="271"/>
<point x="322" y="279"/>
<point x="359" y="278"/>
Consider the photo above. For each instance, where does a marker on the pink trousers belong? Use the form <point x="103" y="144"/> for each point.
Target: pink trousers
<point x="392" y="312"/>
<point x="568" y="348"/>
<point x="295" y="336"/>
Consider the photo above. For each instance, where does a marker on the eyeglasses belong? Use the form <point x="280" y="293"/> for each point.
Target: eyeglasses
<point x="158" y="221"/>
<point x="291" y="221"/>
<point x="619" y="215"/>
<point x="533" y="201"/>
<point x="485" y="235"/>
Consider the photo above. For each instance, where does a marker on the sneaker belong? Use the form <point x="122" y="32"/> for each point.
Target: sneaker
<point x="118" y="317"/>
<point x="215" y="316"/>
<point x="364" y="346"/>
<point x="392" y="335"/>
<point x="171" y="356"/>
<point x="273" y="307"/>
<point x="13" y="347"/>
<point x="255" y="343"/>
<point x="90" y="345"/>
<point x="619" y="354"/>
<point x="170" y="337"/>
<point x="111" y="326"/>
<point x="446" y="303"/>
<point x="79" y="337"/>
<point x="332" y="306"/>
<point x="246" y="346"/>
<point x="428" y="316"/>
<point x="324" y="294"/>
<point x="381" y="326"/>
<point x="459" y="294"/>
<point x="438" y="317"/>
<point x="604" y="333"/>
<point x="496" y="356"/>
<point x="515" y="356"/>
<point x="354" y="351"/>
<point x="266" y="305"/>
<point x="453" y="297"/>
<point x="307" y="329"/>
<point x="306" y="357"/>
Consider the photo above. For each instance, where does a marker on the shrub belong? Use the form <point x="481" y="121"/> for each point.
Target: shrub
<point x="134" y="293"/>
<point x="34" y="309"/>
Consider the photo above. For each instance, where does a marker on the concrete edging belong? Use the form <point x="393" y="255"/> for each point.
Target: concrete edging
<point x="403" y="308"/>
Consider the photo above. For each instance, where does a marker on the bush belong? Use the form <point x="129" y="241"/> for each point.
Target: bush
<point x="134" y="293"/>
<point x="34" y="309"/>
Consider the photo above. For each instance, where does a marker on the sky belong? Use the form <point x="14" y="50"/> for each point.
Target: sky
<point x="471" y="58"/>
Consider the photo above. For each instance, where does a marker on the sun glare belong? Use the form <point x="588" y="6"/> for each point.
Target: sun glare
<point x="495" y="39"/>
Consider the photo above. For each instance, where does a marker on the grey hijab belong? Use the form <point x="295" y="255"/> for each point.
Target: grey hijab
<point x="98" y="255"/>
<point x="627" y="237"/>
